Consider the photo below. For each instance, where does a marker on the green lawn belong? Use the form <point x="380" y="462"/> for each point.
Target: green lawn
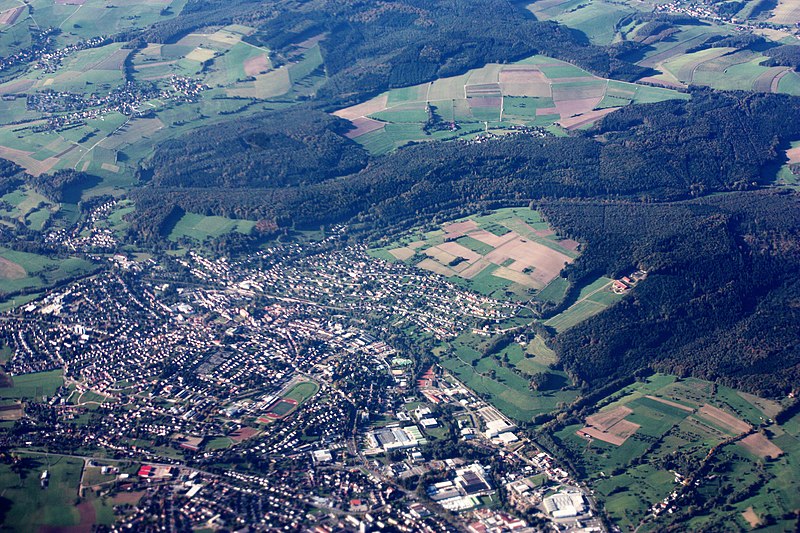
<point x="302" y="391"/>
<point x="34" y="386"/>
<point x="201" y="227"/>
<point x="31" y="507"/>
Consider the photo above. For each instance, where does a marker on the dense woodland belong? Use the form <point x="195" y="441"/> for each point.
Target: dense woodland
<point x="295" y="148"/>
<point x="721" y="297"/>
<point x="11" y="176"/>
<point x="787" y="55"/>
<point x="670" y="150"/>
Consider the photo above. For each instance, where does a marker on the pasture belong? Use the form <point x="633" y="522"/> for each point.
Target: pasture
<point x="592" y="299"/>
<point x="22" y="270"/>
<point x="508" y="252"/>
<point x="32" y="508"/>
<point x="509" y="391"/>
<point x="626" y="445"/>
<point x="538" y="91"/>
<point x="32" y="386"/>
<point x="201" y="227"/>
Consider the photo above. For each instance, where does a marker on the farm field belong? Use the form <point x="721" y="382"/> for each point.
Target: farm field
<point x="22" y="270"/>
<point x="640" y="436"/>
<point x="30" y="386"/>
<point x="201" y="227"/>
<point x="79" y="20"/>
<point x="592" y="299"/>
<point x="509" y="391"/>
<point x="605" y="23"/>
<point x="237" y="79"/>
<point x="786" y="12"/>
<point x="598" y="19"/>
<point x="32" y="507"/>
<point x="509" y="252"/>
<point x="789" y="173"/>
<point x="730" y="70"/>
<point x="536" y="92"/>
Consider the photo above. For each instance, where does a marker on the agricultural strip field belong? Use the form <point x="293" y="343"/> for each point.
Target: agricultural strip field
<point x="629" y="447"/>
<point x="786" y="12"/>
<point x="536" y="92"/>
<point x="508" y="252"/>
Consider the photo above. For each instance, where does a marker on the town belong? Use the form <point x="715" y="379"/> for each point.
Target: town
<point x="275" y="391"/>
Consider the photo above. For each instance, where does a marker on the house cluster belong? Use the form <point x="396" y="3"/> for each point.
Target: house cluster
<point x="177" y="362"/>
<point x="626" y="283"/>
<point x="42" y="41"/>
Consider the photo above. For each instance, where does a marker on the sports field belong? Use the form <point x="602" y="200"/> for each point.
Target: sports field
<point x="639" y="437"/>
<point x="537" y="91"/>
<point x="508" y="252"/>
<point x="290" y="400"/>
<point x="302" y="391"/>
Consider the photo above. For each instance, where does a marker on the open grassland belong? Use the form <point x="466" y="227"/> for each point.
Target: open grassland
<point x="22" y="270"/>
<point x="31" y="507"/>
<point x="32" y="386"/>
<point x="538" y="91"/>
<point x="631" y="447"/>
<point x="508" y="252"/>
<point x="494" y="376"/>
<point x="592" y="299"/>
<point x="201" y="227"/>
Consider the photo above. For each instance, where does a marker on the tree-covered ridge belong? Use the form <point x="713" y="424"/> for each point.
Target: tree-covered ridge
<point x="720" y="301"/>
<point x="294" y="148"/>
<point x="669" y="150"/>
<point x="370" y="47"/>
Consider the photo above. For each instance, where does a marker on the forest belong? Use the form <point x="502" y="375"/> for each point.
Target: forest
<point x="292" y="148"/>
<point x="720" y="301"/>
<point x="370" y="48"/>
<point x="667" y="151"/>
